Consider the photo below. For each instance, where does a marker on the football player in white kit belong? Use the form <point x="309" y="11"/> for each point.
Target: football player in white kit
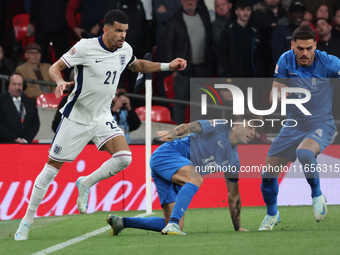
<point x="98" y="64"/>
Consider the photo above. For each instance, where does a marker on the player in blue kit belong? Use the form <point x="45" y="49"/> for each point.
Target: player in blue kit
<point x="175" y="172"/>
<point x="305" y="67"/>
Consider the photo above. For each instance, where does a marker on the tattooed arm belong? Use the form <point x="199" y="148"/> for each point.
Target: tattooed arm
<point x="234" y="201"/>
<point x="55" y="73"/>
<point x="183" y="129"/>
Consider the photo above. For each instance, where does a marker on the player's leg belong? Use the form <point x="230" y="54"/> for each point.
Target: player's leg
<point x="62" y="149"/>
<point x="40" y="187"/>
<point x="270" y="190"/>
<point x="306" y="153"/>
<point x="313" y="144"/>
<point x="109" y="137"/>
<point x="190" y="180"/>
<point x="167" y="192"/>
<point x="146" y="223"/>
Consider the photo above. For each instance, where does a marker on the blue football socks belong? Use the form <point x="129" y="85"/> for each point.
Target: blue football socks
<point x="270" y="189"/>
<point x="309" y="163"/>
<point x="148" y="223"/>
<point x="183" y="200"/>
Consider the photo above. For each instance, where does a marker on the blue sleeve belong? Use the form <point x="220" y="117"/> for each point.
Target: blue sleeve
<point x="280" y="70"/>
<point x="209" y="127"/>
<point x="334" y="66"/>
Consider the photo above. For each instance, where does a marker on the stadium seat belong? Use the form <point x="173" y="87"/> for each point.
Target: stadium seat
<point x="20" y="23"/>
<point x="49" y="100"/>
<point x="158" y="114"/>
<point x="169" y="88"/>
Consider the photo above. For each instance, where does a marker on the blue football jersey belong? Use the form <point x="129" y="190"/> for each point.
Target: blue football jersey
<point x="212" y="148"/>
<point x="316" y="79"/>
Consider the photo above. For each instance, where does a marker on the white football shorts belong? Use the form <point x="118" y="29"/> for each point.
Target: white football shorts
<point x="71" y="137"/>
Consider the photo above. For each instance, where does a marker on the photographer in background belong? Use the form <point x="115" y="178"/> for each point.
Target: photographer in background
<point x="124" y="115"/>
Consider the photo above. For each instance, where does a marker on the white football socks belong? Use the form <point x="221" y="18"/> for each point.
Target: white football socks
<point x="40" y="187"/>
<point x="119" y="161"/>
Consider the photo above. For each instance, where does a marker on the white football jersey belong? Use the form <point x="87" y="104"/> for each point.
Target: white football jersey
<point x="97" y="71"/>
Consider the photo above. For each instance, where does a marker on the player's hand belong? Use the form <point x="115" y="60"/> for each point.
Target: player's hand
<point x="242" y="229"/>
<point x="178" y="64"/>
<point x="166" y="136"/>
<point x="61" y="87"/>
<point x="161" y="9"/>
<point x="123" y="101"/>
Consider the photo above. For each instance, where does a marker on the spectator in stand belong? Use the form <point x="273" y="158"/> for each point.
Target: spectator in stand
<point x="282" y="35"/>
<point x="307" y="19"/>
<point x="137" y="37"/>
<point x="34" y="69"/>
<point x="5" y="68"/>
<point x="267" y="16"/>
<point x="188" y="35"/>
<point x="322" y="11"/>
<point x="49" y="17"/>
<point x="85" y="17"/>
<point x="326" y="42"/>
<point x="336" y="26"/>
<point x="240" y="52"/>
<point x="126" y="118"/>
<point x="19" y="119"/>
<point x="163" y="10"/>
<point x="222" y="9"/>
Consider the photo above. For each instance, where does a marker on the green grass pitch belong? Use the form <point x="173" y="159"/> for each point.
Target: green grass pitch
<point x="209" y="231"/>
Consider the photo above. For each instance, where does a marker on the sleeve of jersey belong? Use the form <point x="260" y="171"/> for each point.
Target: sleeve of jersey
<point x="209" y="127"/>
<point x="76" y="55"/>
<point x="132" y="60"/>
<point x="334" y="65"/>
<point x="281" y="72"/>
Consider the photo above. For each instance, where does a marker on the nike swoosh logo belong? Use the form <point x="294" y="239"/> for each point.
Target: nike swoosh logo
<point x="292" y="73"/>
<point x="220" y="144"/>
<point x="111" y="174"/>
<point x="323" y="211"/>
<point x="37" y="187"/>
<point x="182" y="210"/>
<point x="98" y="61"/>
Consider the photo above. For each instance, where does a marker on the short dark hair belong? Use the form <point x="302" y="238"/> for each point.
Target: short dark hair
<point x="304" y="33"/>
<point x="242" y="4"/>
<point x="115" y="15"/>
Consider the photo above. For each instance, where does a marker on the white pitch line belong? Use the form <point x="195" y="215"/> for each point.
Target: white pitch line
<point x="80" y="238"/>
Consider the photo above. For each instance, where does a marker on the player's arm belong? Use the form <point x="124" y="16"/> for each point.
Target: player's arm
<point x="183" y="129"/>
<point x="145" y="66"/>
<point x="234" y="201"/>
<point x="55" y="73"/>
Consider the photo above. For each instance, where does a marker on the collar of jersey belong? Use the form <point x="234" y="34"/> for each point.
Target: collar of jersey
<point x="100" y="39"/>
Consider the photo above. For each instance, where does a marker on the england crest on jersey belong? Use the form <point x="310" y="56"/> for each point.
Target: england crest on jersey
<point x="122" y="59"/>
<point x="57" y="149"/>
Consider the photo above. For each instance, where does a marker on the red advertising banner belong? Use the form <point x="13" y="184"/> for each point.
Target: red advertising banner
<point x="20" y="165"/>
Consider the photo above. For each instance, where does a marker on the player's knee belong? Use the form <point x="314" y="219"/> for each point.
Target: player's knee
<point x="305" y="156"/>
<point x="122" y="159"/>
<point x="197" y="181"/>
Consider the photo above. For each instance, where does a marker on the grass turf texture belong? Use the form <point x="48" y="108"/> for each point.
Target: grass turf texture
<point x="209" y="231"/>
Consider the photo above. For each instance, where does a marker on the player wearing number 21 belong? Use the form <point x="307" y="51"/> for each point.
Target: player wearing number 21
<point x="306" y="67"/>
<point x="98" y="64"/>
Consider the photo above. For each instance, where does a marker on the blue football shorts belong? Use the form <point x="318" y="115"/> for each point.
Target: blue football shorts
<point x="164" y="163"/>
<point x="289" y="138"/>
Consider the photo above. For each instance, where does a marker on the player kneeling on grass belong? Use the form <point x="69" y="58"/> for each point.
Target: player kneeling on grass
<point x="175" y="176"/>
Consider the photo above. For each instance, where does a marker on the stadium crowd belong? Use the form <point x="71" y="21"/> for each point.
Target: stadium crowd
<point x="218" y="38"/>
